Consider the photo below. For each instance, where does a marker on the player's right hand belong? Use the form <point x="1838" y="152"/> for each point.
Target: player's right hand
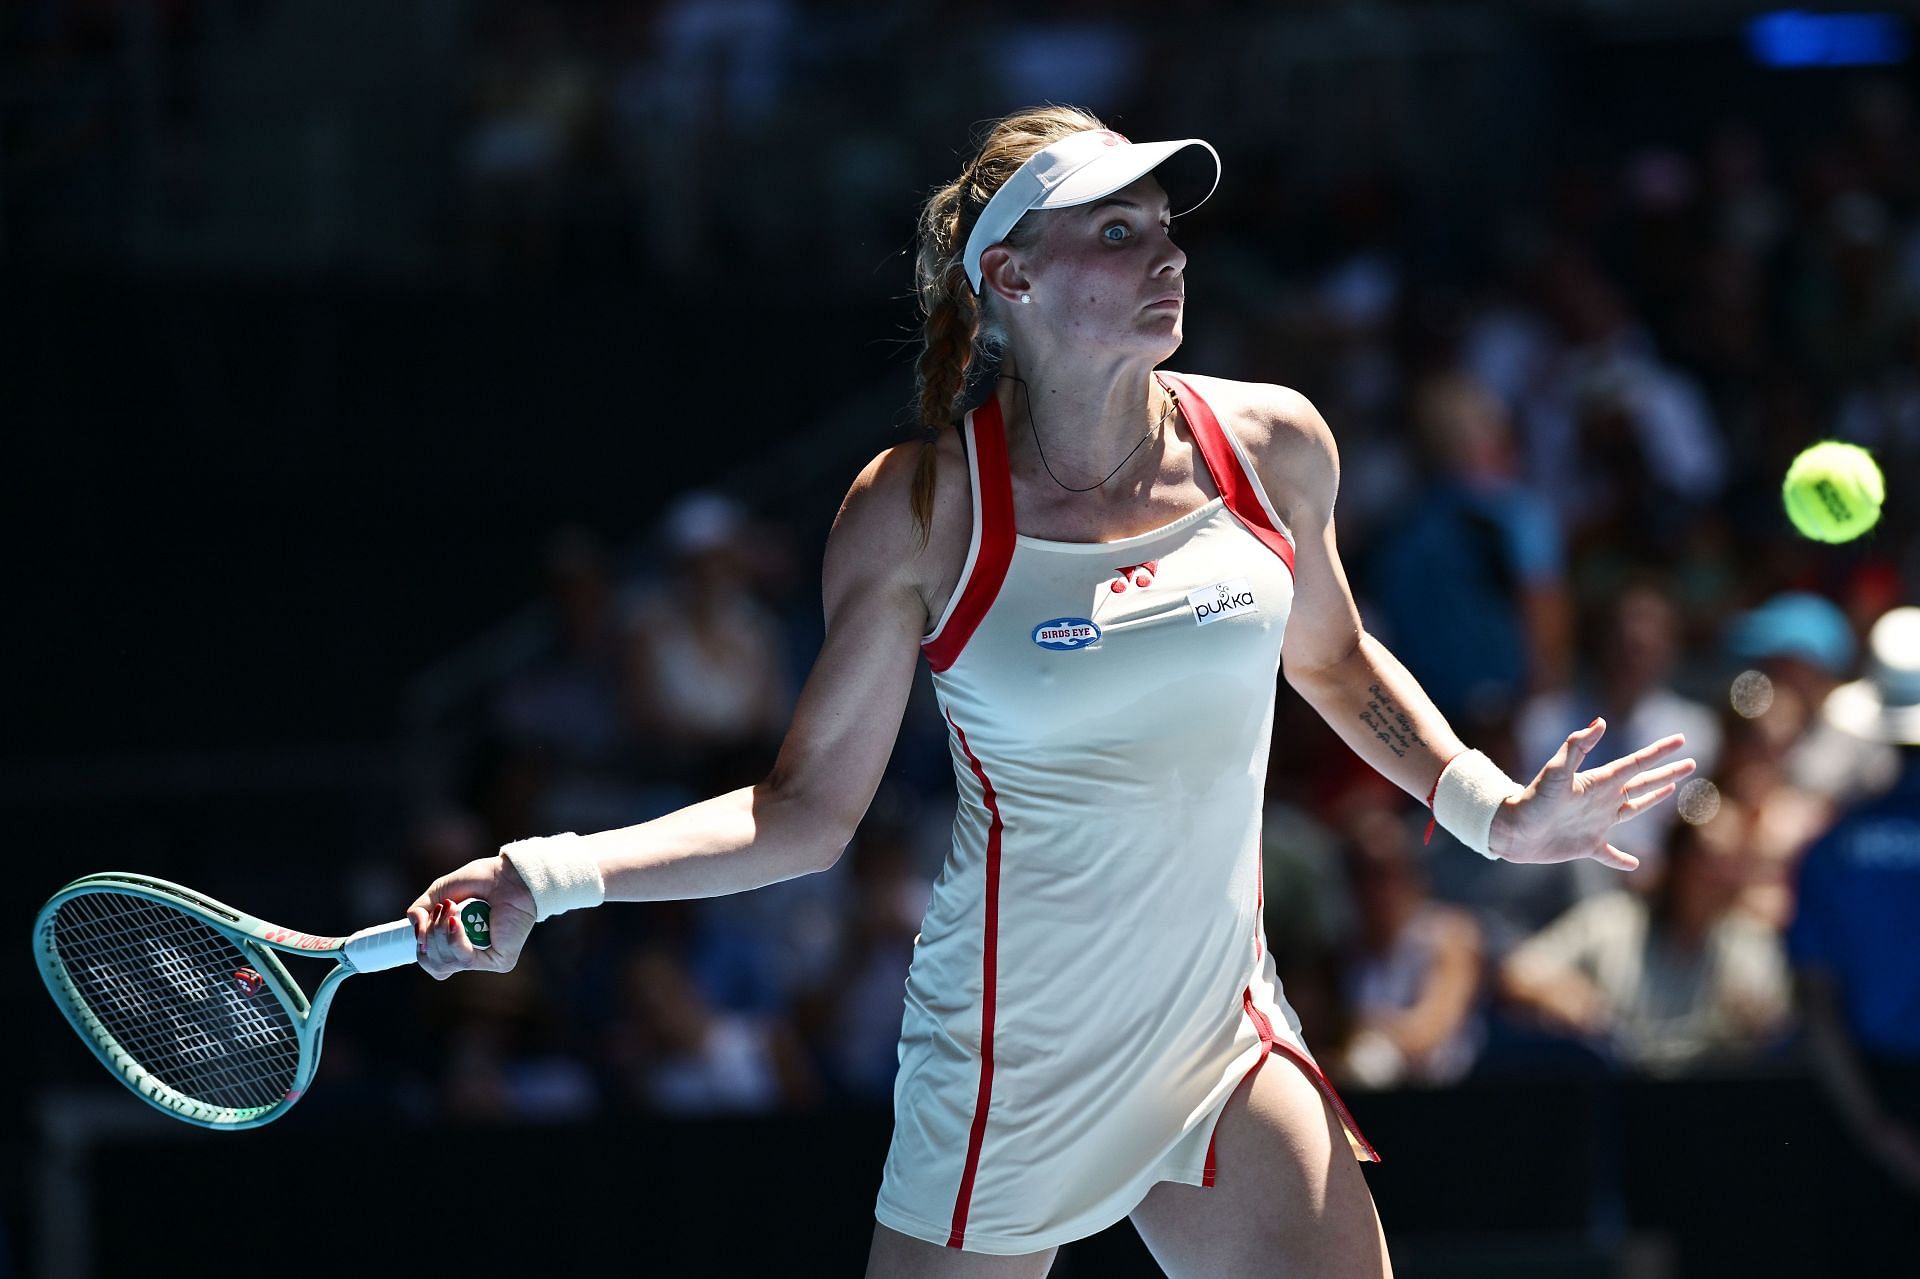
<point x="441" y="943"/>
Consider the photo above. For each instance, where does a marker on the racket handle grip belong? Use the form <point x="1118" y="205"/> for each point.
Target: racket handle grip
<point x="385" y="946"/>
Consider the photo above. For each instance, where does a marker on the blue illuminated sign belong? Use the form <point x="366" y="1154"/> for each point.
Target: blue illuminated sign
<point x="1796" y="38"/>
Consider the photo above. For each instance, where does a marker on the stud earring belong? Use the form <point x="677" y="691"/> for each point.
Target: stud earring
<point x="1025" y="298"/>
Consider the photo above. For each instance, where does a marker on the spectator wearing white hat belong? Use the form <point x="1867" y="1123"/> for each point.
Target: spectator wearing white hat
<point x="707" y="681"/>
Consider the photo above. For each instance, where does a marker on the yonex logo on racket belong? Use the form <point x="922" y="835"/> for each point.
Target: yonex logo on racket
<point x="305" y="941"/>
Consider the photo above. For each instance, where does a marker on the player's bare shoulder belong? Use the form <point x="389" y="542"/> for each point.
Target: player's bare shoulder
<point x="1283" y="432"/>
<point x="876" y="541"/>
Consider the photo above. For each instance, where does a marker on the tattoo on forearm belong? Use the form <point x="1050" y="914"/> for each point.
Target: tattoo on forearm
<point x="1388" y="723"/>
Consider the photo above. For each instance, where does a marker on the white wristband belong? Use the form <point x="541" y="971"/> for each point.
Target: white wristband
<point x="1470" y="791"/>
<point x="560" y="877"/>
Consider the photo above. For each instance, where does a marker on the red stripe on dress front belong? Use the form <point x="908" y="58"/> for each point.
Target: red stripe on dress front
<point x="989" y="966"/>
<point x="995" y="516"/>
<point x="1229" y="476"/>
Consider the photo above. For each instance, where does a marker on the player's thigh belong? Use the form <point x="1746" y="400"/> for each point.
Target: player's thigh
<point x="898" y="1256"/>
<point x="1288" y="1197"/>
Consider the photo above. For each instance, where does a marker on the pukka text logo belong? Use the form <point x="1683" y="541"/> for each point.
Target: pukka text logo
<point x="1064" y="634"/>
<point x="1222" y="600"/>
<point x="1137" y="574"/>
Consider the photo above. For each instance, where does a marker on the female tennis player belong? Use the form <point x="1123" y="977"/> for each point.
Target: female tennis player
<point x="1099" y="564"/>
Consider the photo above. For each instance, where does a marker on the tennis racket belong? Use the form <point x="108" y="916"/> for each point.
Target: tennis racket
<point x="186" y="1002"/>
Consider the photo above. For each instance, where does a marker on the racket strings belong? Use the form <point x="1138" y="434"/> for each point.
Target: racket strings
<point x="178" y="998"/>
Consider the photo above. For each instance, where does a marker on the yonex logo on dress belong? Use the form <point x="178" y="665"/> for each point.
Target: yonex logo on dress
<point x="1138" y="574"/>
<point x="1064" y="634"/>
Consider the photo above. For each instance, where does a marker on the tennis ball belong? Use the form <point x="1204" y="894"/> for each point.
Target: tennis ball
<point x="1833" y="491"/>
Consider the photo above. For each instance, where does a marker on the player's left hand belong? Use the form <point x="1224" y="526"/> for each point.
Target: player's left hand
<point x="1566" y="814"/>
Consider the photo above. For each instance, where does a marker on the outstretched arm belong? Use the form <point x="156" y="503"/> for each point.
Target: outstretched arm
<point x="1380" y="710"/>
<point x="797" y="820"/>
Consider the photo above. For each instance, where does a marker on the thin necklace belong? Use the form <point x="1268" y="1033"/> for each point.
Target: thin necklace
<point x="1026" y="395"/>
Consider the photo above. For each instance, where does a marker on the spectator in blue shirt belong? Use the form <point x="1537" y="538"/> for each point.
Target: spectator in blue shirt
<point x="1853" y="938"/>
<point x="1480" y="550"/>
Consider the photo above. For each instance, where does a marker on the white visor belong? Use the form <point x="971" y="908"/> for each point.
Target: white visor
<point x="1077" y="169"/>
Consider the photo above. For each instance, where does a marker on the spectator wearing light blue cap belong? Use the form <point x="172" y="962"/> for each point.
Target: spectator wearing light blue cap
<point x="1802" y="647"/>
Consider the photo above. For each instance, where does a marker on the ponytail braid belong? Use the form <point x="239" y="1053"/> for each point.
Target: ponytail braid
<point x="952" y="325"/>
<point x="957" y="328"/>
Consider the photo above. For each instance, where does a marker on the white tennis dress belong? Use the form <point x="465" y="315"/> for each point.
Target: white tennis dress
<point x="1091" y="980"/>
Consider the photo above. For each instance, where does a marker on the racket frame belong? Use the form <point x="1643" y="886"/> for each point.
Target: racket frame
<point x="256" y="939"/>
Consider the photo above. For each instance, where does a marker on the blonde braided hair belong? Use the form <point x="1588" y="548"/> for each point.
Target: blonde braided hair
<point x="954" y="330"/>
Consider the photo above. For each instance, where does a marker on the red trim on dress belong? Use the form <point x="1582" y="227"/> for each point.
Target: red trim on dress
<point x="1242" y="494"/>
<point x="1259" y="894"/>
<point x="1273" y="1043"/>
<point x="995" y="517"/>
<point x="1326" y="1086"/>
<point x="1307" y="1064"/>
<point x="989" y="967"/>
